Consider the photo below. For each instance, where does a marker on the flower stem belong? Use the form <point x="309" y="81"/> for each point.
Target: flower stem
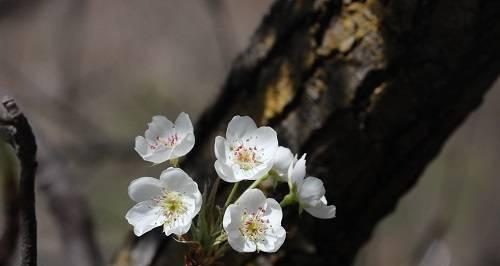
<point x="288" y="200"/>
<point x="258" y="181"/>
<point x="174" y="162"/>
<point x="231" y="194"/>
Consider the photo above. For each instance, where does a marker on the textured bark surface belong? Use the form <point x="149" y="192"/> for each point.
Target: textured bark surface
<point x="370" y="90"/>
<point x="24" y="143"/>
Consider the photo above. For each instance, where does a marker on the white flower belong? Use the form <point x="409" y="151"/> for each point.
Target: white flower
<point x="254" y="223"/>
<point x="282" y="160"/>
<point x="171" y="201"/>
<point x="164" y="140"/>
<point x="248" y="151"/>
<point x="310" y="192"/>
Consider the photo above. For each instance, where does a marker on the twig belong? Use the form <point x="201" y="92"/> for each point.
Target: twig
<point x="9" y="236"/>
<point x="25" y="147"/>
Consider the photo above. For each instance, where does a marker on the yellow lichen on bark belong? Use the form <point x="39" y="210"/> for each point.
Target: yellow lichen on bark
<point x="357" y="21"/>
<point x="278" y="94"/>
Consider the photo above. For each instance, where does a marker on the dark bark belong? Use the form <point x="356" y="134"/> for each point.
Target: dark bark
<point x="25" y="146"/>
<point x="369" y="90"/>
<point x="10" y="234"/>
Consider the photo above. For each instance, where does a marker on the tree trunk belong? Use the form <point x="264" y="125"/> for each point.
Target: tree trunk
<point x="370" y="90"/>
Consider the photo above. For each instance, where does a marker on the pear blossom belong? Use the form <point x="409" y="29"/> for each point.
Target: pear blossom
<point x="165" y="140"/>
<point x="309" y="191"/>
<point x="247" y="152"/>
<point x="253" y="223"/>
<point x="282" y="160"/>
<point x="171" y="201"/>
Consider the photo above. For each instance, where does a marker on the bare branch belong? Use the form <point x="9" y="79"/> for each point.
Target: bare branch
<point x="25" y="147"/>
<point x="9" y="236"/>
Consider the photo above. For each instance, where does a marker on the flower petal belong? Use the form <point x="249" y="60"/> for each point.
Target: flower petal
<point x="225" y="172"/>
<point x="239" y="243"/>
<point x="239" y="126"/>
<point x="180" y="230"/>
<point x="321" y="210"/>
<point x="175" y="179"/>
<point x="183" y="125"/>
<point x="266" y="138"/>
<point x="232" y="218"/>
<point x="297" y="172"/>
<point x="273" y="240"/>
<point x="184" y="146"/>
<point x="159" y="156"/>
<point x="163" y="124"/>
<point x="144" y="216"/>
<point x="220" y="148"/>
<point x="141" y="146"/>
<point x="159" y="127"/>
<point x="273" y="211"/>
<point x="144" y="188"/>
<point x="252" y="200"/>
<point x="311" y="189"/>
<point x="282" y="160"/>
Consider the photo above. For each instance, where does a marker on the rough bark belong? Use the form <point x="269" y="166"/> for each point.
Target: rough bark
<point x="24" y="143"/>
<point x="370" y="90"/>
<point x="10" y="233"/>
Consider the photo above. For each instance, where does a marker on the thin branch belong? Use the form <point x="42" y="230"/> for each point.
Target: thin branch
<point x="9" y="236"/>
<point x="25" y="147"/>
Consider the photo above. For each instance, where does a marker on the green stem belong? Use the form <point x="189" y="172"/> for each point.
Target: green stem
<point x="258" y="181"/>
<point x="288" y="200"/>
<point x="231" y="194"/>
<point x="174" y="162"/>
<point x="255" y="184"/>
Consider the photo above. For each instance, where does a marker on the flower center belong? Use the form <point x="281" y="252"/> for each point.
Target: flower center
<point x="254" y="226"/>
<point x="245" y="157"/>
<point x="168" y="142"/>
<point x="172" y="205"/>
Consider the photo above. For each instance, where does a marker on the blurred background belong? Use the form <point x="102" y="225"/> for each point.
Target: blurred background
<point x="91" y="74"/>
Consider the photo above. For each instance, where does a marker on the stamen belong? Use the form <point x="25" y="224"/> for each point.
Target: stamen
<point x="253" y="226"/>
<point x="245" y="157"/>
<point x="172" y="205"/>
<point x="168" y="142"/>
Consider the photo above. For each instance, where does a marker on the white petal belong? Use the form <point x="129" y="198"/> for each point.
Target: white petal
<point x="273" y="240"/>
<point x="220" y="148"/>
<point x="321" y="210"/>
<point x="159" y="127"/>
<point x="159" y="156"/>
<point x="252" y="200"/>
<point x="180" y="227"/>
<point x="239" y="126"/>
<point x="141" y="146"/>
<point x="183" y="125"/>
<point x="184" y="146"/>
<point x="225" y="172"/>
<point x="311" y="189"/>
<point x="197" y="200"/>
<point x="252" y="173"/>
<point x="175" y="179"/>
<point x="273" y="211"/>
<point x="144" y="188"/>
<point x="239" y="243"/>
<point x="282" y="160"/>
<point x="232" y="218"/>
<point x="162" y="123"/>
<point x="176" y="227"/>
<point x="144" y="216"/>
<point x="297" y="172"/>
<point x="266" y="138"/>
<point x="183" y="229"/>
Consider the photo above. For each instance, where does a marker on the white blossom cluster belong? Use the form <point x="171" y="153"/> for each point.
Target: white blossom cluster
<point x="250" y="222"/>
